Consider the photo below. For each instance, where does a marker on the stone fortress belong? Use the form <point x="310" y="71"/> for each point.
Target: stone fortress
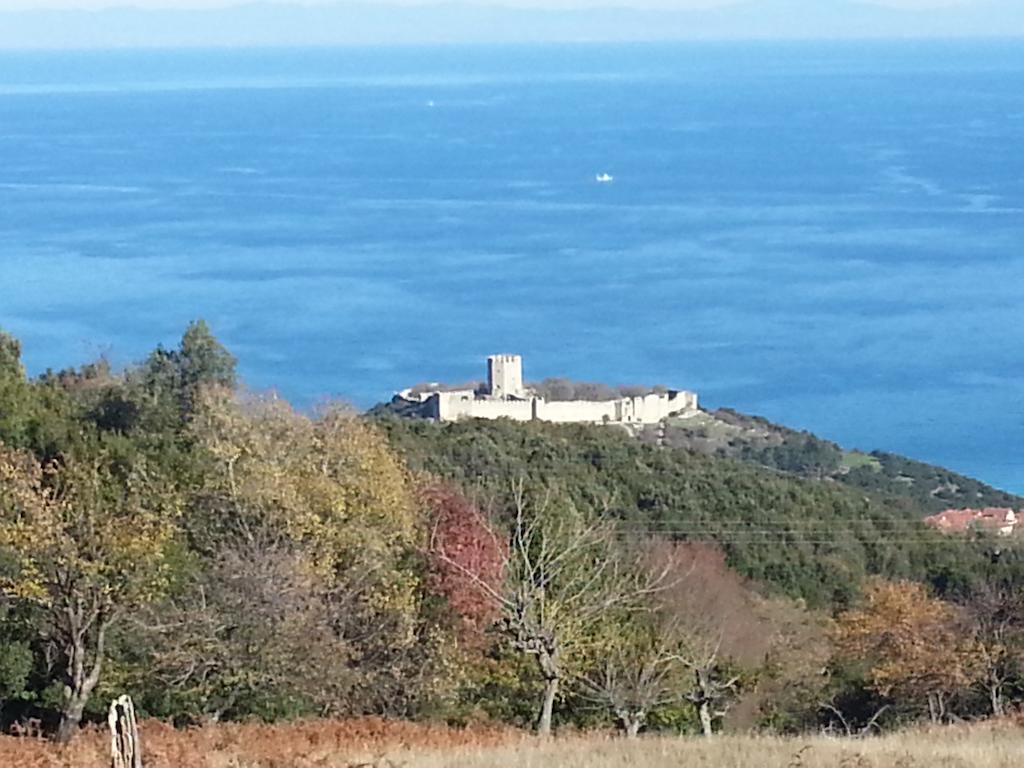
<point x="505" y="396"/>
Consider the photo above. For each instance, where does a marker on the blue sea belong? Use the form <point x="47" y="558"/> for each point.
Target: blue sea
<point x="830" y="235"/>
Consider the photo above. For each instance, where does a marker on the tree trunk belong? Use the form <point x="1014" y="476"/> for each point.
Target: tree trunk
<point x="633" y="725"/>
<point x="80" y="684"/>
<point x="996" y="696"/>
<point x="547" y="706"/>
<point x="937" y="707"/>
<point x="704" y="710"/>
<point x="70" y="717"/>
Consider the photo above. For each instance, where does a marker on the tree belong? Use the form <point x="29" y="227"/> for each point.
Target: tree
<point x="15" y="397"/>
<point x="710" y="618"/>
<point x="792" y="679"/>
<point x="173" y="380"/>
<point x="995" y="615"/>
<point x="465" y="553"/>
<point x="565" y="574"/>
<point x="337" y="494"/>
<point x="911" y="644"/>
<point x="204" y="361"/>
<point x="702" y="629"/>
<point x="88" y="546"/>
<point x="331" y="484"/>
<point x="637" y="675"/>
<point x="16" y="660"/>
<point x="252" y="632"/>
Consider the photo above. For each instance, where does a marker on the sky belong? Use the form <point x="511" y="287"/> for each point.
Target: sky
<point x="120" y="24"/>
<point x="27" y="5"/>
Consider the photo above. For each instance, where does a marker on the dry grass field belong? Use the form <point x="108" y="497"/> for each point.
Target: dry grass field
<point x="376" y="744"/>
<point x="333" y="744"/>
<point x="942" y="749"/>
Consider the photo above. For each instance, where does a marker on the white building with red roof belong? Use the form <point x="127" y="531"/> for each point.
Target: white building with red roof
<point x="1000" y="520"/>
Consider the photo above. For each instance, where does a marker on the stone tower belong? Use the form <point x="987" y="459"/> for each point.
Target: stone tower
<point x="505" y="376"/>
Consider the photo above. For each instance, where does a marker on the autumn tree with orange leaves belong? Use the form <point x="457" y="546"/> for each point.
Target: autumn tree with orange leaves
<point x="911" y="643"/>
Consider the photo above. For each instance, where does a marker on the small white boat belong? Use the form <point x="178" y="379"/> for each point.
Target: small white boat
<point x="604" y="178"/>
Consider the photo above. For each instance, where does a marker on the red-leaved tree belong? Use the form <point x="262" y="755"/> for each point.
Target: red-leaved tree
<point x="467" y="559"/>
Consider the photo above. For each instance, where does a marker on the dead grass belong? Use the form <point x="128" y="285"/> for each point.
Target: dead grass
<point x="330" y="744"/>
<point x="946" y="748"/>
<point x="379" y="744"/>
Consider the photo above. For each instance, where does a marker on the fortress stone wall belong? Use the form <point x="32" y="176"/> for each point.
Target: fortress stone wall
<point x="506" y="397"/>
<point x="453" y="406"/>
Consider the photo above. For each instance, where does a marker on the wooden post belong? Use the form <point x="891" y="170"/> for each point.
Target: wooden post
<point x="125" y="750"/>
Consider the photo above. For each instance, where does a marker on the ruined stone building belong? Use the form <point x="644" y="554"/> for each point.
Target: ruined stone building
<point x="505" y="396"/>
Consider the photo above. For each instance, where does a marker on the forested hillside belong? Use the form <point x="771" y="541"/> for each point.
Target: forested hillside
<point x="224" y="557"/>
<point x="817" y="541"/>
<point x="727" y="433"/>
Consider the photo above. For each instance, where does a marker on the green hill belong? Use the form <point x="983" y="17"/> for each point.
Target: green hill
<point x="727" y="433"/>
<point x="807" y="538"/>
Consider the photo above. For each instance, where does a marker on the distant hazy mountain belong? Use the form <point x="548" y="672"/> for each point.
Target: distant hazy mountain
<point x="284" y="25"/>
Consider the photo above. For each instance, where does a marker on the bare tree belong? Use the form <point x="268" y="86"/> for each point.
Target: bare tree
<point x="564" y="573"/>
<point x="701" y="627"/>
<point x="995" y="617"/>
<point x="637" y="676"/>
<point x="848" y="728"/>
<point x="712" y="690"/>
<point x="709" y="616"/>
<point x="253" y="625"/>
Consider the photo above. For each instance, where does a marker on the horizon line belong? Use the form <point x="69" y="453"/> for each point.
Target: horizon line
<point x="710" y="40"/>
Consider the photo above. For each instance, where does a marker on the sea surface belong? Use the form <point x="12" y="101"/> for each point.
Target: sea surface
<point x="830" y="235"/>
